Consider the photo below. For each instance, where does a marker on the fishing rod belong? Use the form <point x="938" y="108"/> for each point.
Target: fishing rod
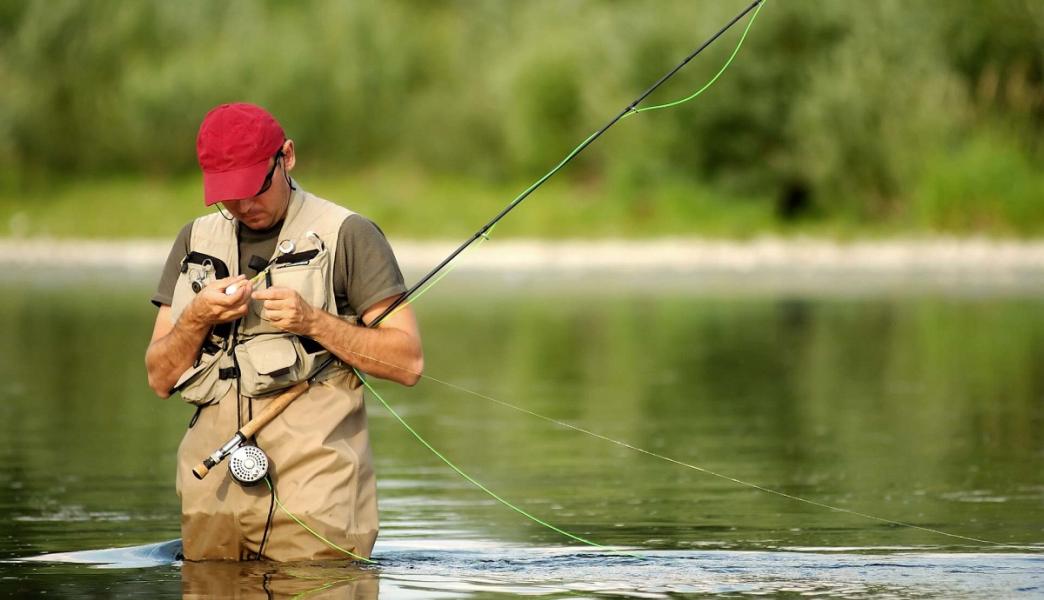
<point x="249" y="465"/>
<point x="481" y="233"/>
<point x="631" y="108"/>
<point x="281" y="402"/>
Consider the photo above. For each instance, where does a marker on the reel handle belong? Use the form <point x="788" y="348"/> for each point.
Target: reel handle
<point x="270" y="412"/>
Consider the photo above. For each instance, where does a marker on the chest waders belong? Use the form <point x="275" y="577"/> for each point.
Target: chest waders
<point x="317" y="450"/>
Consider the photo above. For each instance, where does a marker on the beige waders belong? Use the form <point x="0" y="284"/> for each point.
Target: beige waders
<point x="320" y="462"/>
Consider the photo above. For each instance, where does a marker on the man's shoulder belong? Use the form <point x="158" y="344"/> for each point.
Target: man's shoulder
<point x="359" y="226"/>
<point x="317" y="202"/>
<point x="215" y="223"/>
<point x="185" y="234"/>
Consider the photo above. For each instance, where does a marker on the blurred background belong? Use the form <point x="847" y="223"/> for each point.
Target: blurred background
<point x="817" y="332"/>
<point x="837" y="118"/>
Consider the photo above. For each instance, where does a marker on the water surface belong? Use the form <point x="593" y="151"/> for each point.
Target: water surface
<point x="922" y="406"/>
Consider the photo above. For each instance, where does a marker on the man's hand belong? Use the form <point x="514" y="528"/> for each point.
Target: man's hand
<point x="212" y="305"/>
<point x="287" y="310"/>
<point x="175" y="345"/>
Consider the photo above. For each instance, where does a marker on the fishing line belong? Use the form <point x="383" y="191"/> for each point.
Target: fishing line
<point x="445" y="272"/>
<point x="642" y="451"/>
<point x="478" y="484"/>
<point x="631" y="108"/>
<point x="441" y="270"/>
<point x="427" y="282"/>
<point x="312" y="531"/>
<point x="713" y="79"/>
<point x="322" y="588"/>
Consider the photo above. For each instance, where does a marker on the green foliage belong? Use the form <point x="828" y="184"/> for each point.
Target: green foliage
<point x="405" y="202"/>
<point x="842" y="107"/>
<point x="984" y="184"/>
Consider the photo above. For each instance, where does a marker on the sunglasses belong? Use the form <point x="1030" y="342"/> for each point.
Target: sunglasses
<point x="271" y="172"/>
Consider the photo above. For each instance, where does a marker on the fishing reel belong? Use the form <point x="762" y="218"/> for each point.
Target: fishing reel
<point x="248" y="465"/>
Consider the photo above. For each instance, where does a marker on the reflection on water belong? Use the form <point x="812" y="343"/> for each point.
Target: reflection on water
<point x="260" y="580"/>
<point x="923" y="408"/>
<point x="450" y="569"/>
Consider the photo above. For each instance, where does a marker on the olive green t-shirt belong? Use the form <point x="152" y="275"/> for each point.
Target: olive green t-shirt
<point x="365" y="269"/>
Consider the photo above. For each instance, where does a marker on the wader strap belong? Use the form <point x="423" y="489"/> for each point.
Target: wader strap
<point x="228" y="373"/>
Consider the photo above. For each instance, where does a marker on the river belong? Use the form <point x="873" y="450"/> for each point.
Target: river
<point x="908" y="404"/>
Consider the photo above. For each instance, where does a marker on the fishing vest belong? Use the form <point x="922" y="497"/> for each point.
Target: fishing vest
<point x="319" y="446"/>
<point x="262" y="357"/>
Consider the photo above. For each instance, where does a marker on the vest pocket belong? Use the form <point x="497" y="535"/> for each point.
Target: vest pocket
<point x="308" y="279"/>
<point x="202" y="384"/>
<point x="270" y="363"/>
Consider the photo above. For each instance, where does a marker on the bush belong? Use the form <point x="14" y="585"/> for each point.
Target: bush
<point x="832" y="110"/>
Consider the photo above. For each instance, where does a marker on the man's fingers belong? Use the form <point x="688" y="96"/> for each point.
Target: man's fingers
<point x="216" y="291"/>
<point x="219" y="298"/>
<point x="242" y="292"/>
<point x="281" y="309"/>
<point x="279" y="304"/>
<point x="274" y="316"/>
<point x="221" y="284"/>
<point x="273" y="293"/>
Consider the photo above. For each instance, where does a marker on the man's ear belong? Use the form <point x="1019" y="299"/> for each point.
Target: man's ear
<point x="289" y="158"/>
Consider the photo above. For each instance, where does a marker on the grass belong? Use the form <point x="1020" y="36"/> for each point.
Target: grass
<point x="981" y="186"/>
<point x="404" y="202"/>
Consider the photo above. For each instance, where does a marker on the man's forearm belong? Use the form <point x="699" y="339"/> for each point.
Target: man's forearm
<point x="387" y="353"/>
<point x="171" y="355"/>
<point x="175" y="346"/>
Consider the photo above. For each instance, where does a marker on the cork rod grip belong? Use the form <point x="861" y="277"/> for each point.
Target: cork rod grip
<point x="273" y="409"/>
<point x="270" y="412"/>
<point x="200" y="471"/>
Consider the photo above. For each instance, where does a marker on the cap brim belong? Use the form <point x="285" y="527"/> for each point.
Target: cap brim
<point x="234" y="185"/>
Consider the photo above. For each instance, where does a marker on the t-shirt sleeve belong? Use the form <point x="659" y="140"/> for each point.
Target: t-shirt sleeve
<point x="165" y="290"/>
<point x="365" y="269"/>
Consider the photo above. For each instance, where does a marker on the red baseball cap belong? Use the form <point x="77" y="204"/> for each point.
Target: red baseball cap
<point x="234" y="145"/>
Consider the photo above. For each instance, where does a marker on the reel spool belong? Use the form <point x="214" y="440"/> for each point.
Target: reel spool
<point x="248" y="465"/>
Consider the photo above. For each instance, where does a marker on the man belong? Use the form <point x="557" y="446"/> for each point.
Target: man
<point x="228" y="342"/>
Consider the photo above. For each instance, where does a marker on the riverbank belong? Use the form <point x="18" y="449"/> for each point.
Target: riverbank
<point x="974" y="256"/>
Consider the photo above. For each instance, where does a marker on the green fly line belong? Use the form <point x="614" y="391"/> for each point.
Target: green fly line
<point x="583" y="144"/>
<point x="476" y="482"/>
<point x="485" y="236"/>
<point x="445" y="272"/>
<point x="312" y="531"/>
<point x="521" y="511"/>
<point x="713" y="79"/>
<point x="641" y="450"/>
<point x="703" y="469"/>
